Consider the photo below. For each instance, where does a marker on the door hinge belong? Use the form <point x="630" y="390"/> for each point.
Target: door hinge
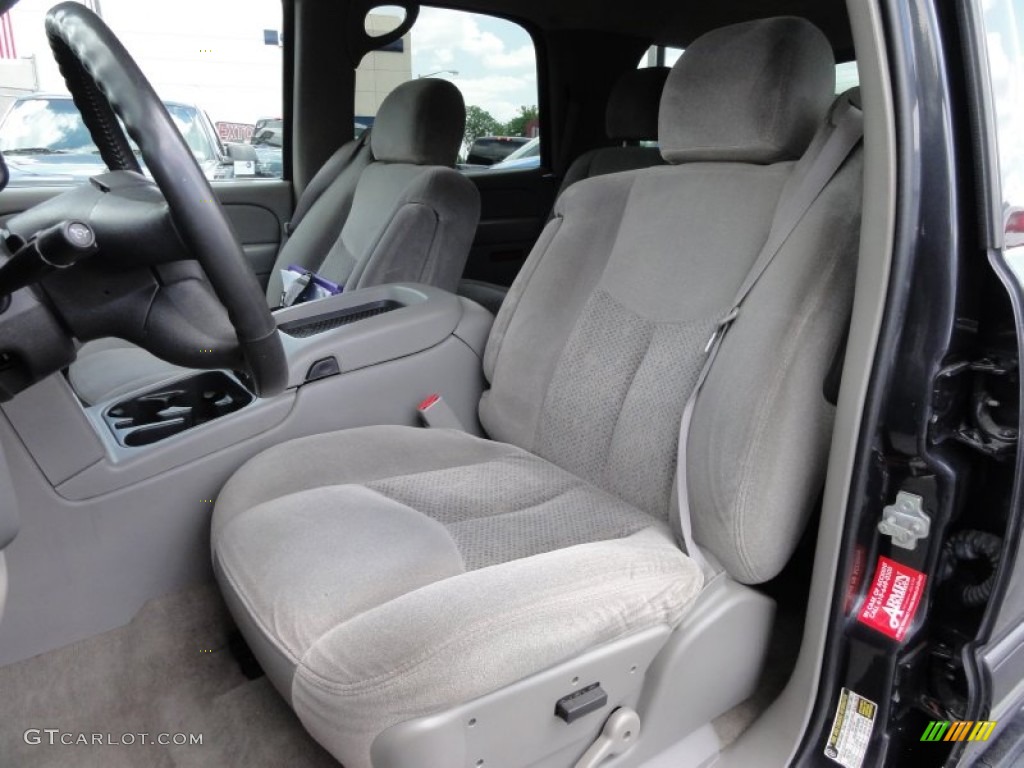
<point x="981" y="413"/>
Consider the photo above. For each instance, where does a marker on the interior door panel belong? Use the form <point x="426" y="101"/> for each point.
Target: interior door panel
<point x="257" y="210"/>
<point x="514" y="206"/>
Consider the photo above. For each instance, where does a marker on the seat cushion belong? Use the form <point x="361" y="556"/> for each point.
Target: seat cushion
<point x="366" y="561"/>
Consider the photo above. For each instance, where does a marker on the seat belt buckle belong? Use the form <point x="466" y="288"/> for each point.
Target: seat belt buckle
<point x="437" y="414"/>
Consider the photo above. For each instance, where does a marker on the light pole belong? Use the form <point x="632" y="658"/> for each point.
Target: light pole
<point x="452" y="72"/>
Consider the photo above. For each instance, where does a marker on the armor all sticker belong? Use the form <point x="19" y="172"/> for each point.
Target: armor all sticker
<point x="893" y="598"/>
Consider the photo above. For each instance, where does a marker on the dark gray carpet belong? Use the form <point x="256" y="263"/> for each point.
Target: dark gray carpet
<point x="168" y="671"/>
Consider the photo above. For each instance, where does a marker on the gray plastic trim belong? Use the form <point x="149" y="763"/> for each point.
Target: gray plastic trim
<point x="708" y="665"/>
<point x="516" y="725"/>
<point x="712" y="662"/>
<point x="428" y="316"/>
<point x="3" y="584"/>
<point x="48" y="418"/>
<point x="9" y="517"/>
<point x="475" y="325"/>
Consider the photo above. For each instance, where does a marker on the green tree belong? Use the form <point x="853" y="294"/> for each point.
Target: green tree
<point x="479" y="122"/>
<point x="517" y="125"/>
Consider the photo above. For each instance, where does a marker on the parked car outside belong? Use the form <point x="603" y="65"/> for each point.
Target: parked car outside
<point x="488" y="150"/>
<point x="527" y="156"/>
<point x="268" y="141"/>
<point x="45" y="141"/>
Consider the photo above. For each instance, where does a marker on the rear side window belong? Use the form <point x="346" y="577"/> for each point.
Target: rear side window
<point x="491" y="61"/>
<point x="1004" y="38"/>
<point x="216" y="66"/>
<point x="847" y="76"/>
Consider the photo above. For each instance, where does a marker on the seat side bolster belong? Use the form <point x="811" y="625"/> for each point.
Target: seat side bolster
<point x="460" y="638"/>
<point x="759" y="442"/>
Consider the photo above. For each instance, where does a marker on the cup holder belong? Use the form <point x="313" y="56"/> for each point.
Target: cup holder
<point x="174" y="408"/>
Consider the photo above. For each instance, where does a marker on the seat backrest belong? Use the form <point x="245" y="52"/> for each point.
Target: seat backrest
<point x="631" y="116"/>
<point x="397" y="211"/>
<point x="325" y="205"/>
<point x="599" y="344"/>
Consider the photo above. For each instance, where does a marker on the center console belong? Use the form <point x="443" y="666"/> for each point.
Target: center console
<point x="359" y="358"/>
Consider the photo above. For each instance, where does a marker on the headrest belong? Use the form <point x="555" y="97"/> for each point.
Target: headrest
<point x="420" y="122"/>
<point x="632" y="113"/>
<point x="750" y="93"/>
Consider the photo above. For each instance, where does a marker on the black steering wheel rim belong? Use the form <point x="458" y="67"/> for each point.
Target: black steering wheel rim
<point x="106" y="84"/>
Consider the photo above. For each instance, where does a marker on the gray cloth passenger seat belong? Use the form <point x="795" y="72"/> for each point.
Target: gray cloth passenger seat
<point x="398" y="212"/>
<point x="631" y="117"/>
<point x="388" y="578"/>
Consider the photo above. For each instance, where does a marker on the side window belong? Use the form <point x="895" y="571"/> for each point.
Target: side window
<point x="1004" y="41"/>
<point x="492" y="62"/>
<point x="660" y="56"/>
<point x="847" y="76"/>
<point x="219" y="79"/>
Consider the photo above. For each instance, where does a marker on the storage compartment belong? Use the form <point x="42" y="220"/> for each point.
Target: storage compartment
<point x="310" y="326"/>
<point x="175" y="407"/>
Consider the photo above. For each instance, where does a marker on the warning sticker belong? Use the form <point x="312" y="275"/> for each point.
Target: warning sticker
<point x="893" y="598"/>
<point x="851" y="730"/>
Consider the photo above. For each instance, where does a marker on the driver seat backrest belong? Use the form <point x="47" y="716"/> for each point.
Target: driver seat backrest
<point x="600" y="342"/>
<point x="398" y="211"/>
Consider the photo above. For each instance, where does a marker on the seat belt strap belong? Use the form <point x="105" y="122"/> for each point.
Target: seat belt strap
<point x="833" y="145"/>
<point x="323" y="178"/>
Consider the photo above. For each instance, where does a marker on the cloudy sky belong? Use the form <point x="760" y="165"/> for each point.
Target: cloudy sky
<point x="213" y="53"/>
<point x="494" y="58"/>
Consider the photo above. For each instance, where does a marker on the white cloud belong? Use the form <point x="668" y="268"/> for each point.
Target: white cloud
<point x="495" y="59"/>
<point x="520" y="58"/>
<point x="498" y="94"/>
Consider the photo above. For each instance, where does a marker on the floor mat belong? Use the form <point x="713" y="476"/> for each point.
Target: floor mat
<point x="165" y="677"/>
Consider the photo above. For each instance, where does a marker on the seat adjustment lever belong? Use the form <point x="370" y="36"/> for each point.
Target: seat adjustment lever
<point x="620" y="732"/>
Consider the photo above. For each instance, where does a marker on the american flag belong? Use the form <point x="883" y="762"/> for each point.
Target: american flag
<point x="7" y="49"/>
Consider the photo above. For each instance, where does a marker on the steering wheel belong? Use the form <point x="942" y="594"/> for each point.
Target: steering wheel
<point x="152" y="234"/>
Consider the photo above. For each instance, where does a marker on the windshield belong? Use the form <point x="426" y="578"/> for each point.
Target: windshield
<point x="54" y="126"/>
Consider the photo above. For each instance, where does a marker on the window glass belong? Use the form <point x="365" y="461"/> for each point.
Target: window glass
<point x="217" y="66"/>
<point x="492" y="62"/>
<point x="1004" y="28"/>
<point x="847" y="76"/>
<point x="650" y="59"/>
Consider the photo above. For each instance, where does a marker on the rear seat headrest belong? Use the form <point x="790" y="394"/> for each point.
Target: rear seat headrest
<point x="632" y="113"/>
<point x="420" y="122"/>
<point x="753" y="92"/>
